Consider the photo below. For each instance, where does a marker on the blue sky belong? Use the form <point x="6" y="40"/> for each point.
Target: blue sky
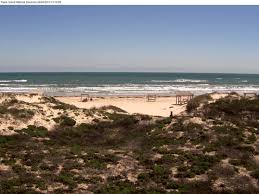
<point x="130" y="38"/>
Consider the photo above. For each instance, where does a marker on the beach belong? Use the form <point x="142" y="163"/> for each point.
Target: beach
<point x="44" y="111"/>
<point x="162" y="106"/>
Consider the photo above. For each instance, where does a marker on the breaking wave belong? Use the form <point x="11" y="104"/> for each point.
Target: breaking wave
<point x="14" y="81"/>
<point x="180" y="81"/>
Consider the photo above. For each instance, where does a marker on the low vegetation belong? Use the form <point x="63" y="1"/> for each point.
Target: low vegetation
<point x="65" y="121"/>
<point x="138" y="154"/>
<point x="58" y="104"/>
<point x="197" y="101"/>
<point x="8" y="107"/>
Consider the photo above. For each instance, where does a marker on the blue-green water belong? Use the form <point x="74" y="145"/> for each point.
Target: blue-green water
<point x="128" y="83"/>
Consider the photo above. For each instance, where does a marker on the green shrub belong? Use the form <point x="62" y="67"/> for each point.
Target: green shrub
<point x="158" y="174"/>
<point x="244" y="161"/>
<point x="98" y="161"/>
<point x="255" y="174"/>
<point x="251" y="138"/>
<point x="4" y="139"/>
<point x="197" y="101"/>
<point x="172" y="185"/>
<point x="243" y="149"/>
<point x="166" y="159"/>
<point x="110" y="107"/>
<point x="65" y="121"/>
<point x="17" y="113"/>
<point x="236" y="162"/>
<point x="121" y="187"/>
<point x="13" y="101"/>
<point x="123" y="120"/>
<point x="67" y="179"/>
<point x="3" y="110"/>
<point x="35" y="131"/>
<point x="143" y="177"/>
<point x="234" y="109"/>
<point x="64" y="106"/>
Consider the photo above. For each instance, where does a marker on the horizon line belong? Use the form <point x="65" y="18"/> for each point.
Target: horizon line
<point x="126" y="72"/>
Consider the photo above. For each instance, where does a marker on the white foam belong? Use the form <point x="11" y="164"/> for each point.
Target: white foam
<point x="137" y="88"/>
<point x="180" y="81"/>
<point x="16" y="81"/>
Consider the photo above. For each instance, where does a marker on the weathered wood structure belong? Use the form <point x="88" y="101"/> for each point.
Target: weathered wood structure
<point x="151" y="98"/>
<point x="250" y="95"/>
<point x="84" y="97"/>
<point x="183" y="97"/>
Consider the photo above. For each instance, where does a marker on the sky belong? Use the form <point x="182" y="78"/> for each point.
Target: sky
<point x="222" y="39"/>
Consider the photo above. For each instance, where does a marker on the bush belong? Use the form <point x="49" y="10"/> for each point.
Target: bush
<point x="13" y="101"/>
<point x="197" y="101"/>
<point x="65" y="121"/>
<point x="122" y="120"/>
<point x="160" y="174"/>
<point x="4" y="139"/>
<point x="251" y="139"/>
<point x="255" y="173"/>
<point x="121" y="187"/>
<point x="17" y="113"/>
<point x="143" y="177"/>
<point x="67" y="179"/>
<point x="114" y="108"/>
<point x="58" y="104"/>
<point x="35" y="131"/>
<point x="3" y="110"/>
<point x="172" y="185"/>
<point x="234" y="109"/>
<point x="64" y="106"/>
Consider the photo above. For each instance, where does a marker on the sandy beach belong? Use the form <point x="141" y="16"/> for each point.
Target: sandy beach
<point x="44" y="111"/>
<point x="138" y="104"/>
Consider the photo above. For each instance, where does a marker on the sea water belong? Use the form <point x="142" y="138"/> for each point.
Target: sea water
<point x="119" y="83"/>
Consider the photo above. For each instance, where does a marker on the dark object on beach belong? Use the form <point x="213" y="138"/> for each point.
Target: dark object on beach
<point x="151" y="98"/>
<point x="171" y="114"/>
<point x="85" y="100"/>
<point x="84" y="97"/>
<point x="183" y="97"/>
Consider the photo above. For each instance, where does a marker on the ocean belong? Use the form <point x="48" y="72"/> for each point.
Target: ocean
<point x="128" y="83"/>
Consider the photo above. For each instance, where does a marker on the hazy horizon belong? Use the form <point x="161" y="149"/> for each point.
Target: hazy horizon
<point x="148" y="72"/>
<point x="175" y="39"/>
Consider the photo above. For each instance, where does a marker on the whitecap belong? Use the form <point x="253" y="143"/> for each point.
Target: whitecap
<point x="180" y="81"/>
<point x="10" y="81"/>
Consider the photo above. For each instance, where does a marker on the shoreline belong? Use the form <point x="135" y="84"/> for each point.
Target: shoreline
<point x="63" y="93"/>
<point x="163" y="105"/>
